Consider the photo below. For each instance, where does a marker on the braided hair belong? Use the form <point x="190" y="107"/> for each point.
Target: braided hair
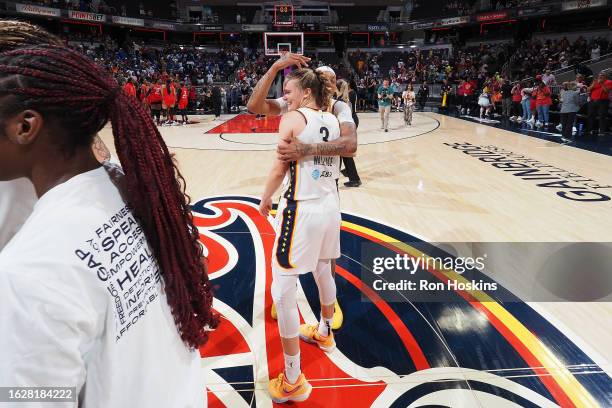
<point x="14" y="34"/>
<point x="78" y="97"/>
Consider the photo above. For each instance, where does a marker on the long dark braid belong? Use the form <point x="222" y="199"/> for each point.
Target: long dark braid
<point x="77" y="95"/>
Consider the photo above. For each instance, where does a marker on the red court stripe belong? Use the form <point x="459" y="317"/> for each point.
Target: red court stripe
<point x="413" y="348"/>
<point x="547" y="378"/>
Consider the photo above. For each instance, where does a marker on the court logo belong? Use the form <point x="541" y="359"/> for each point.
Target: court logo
<point x="410" y="361"/>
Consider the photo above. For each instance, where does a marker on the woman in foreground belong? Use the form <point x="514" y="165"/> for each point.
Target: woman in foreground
<point x="103" y="288"/>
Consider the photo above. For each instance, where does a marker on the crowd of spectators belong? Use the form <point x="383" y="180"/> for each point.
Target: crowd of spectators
<point x="236" y="70"/>
<point x="534" y="56"/>
<point x="437" y="65"/>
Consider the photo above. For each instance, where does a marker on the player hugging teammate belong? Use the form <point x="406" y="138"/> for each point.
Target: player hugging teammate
<point x="308" y="220"/>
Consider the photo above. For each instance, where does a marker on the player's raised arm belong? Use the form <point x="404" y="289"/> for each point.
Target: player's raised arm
<point x="258" y="102"/>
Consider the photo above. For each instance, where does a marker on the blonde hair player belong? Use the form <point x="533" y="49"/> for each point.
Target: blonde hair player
<point x="289" y="149"/>
<point x="307" y="226"/>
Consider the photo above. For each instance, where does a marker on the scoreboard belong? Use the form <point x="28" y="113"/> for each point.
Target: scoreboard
<point x="283" y="15"/>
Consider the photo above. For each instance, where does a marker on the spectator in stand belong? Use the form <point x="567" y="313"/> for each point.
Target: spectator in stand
<point x="465" y="92"/>
<point x="599" y="93"/>
<point x="516" y="102"/>
<point x="543" y="102"/>
<point x="423" y="95"/>
<point x="548" y="78"/>
<point x="506" y="94"/>
<point x="570" y="105"/>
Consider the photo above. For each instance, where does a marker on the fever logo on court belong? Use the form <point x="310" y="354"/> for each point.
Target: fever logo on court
<point x="389" y="354"/>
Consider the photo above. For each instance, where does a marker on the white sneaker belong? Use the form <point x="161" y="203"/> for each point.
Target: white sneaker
<point x="531" y="121"/>
<point x="463" y="111"/>
<point x="559" y="127"/>
<point x="574" y="130"/>
<point x="538" y="124"/>
<point x="519" y="119"/>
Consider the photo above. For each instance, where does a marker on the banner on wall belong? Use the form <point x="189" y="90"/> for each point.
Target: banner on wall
<point x="494" y="15"/>
<point x="38" y="10"/>
<point x="83" y="15"/>
<point x="582" y="4"/>
<point x="128" y="21"/>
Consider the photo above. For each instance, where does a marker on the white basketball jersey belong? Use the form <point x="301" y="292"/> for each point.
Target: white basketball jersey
<point x="313" y="177"/>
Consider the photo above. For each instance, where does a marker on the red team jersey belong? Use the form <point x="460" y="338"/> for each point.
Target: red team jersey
<point x="183" y="98"/>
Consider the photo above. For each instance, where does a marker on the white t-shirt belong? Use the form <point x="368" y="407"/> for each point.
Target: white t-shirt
<point x="17" y="199"/>
<point x="340" y="109"/>
<point x="82" y="304"/>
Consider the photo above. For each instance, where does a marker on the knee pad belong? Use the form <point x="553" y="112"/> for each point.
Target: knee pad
<point x="284" y="294"/>
<point x="325" y="282"/>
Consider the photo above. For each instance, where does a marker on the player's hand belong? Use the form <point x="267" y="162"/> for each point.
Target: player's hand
<point x="289" y="150"/>
<point x="290" y="59"/>
<point x="265" y="206"/>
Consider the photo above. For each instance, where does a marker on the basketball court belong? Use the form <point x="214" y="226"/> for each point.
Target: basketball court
<point x="422" y="185"/>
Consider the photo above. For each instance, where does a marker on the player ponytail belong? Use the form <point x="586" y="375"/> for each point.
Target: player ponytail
<point x="321" y="87"/>
<point x="343" y="91"/>
<point x="78" y="98"/>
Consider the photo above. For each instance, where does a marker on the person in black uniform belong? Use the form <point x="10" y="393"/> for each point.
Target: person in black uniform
<point x="216" y="101"/>
<point x="349" y="90"/>
<point x="446" y="93"/>
<point x="423" y="95"/>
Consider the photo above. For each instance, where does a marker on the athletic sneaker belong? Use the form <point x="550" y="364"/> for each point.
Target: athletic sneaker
<point x="559" y="127"/>
<point x="531" y="121"/>
<point x="538" y="124"/>
<point x="310" y="334"/>
<point x="281" y="391"/>
<point x="338" y="316"/>
<point x="519" y="119"/>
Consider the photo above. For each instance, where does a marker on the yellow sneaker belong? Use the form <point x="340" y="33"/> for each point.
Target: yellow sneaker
<point x="281" y="391"/>
<point x="310" y="334"/>
<point x="338" y="317"/>
<point x="336" y="322"/>
<point x="273" y="312"/>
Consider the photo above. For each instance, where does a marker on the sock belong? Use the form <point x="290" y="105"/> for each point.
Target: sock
<point x="292" y="367"/>
<point x="325" y="326"/>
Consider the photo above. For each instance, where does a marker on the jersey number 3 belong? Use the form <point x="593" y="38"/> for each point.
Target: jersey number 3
<point x="326" y="131"/>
